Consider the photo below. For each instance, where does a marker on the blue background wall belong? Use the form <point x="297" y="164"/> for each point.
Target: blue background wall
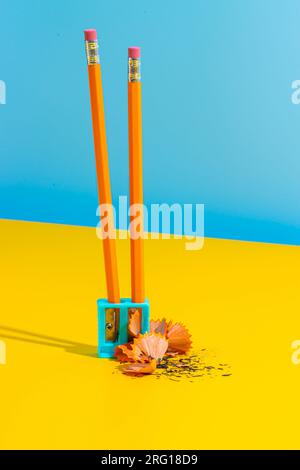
<point x="219" y="124"/>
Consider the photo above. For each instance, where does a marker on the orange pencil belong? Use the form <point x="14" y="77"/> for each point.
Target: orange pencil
<point x="101" y="155"/>
<point x="135" y="172"/>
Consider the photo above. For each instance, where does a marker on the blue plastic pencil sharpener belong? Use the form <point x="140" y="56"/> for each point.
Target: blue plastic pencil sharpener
<point x="113" y="323"/>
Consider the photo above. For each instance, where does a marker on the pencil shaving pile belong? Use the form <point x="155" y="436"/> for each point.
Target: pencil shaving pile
<point x="141" y="356"/>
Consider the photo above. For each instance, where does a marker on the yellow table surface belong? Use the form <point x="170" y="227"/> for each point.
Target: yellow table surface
<point x="240" y="301"/>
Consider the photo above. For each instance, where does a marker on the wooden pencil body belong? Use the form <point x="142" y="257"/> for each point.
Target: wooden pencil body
<point x="136" y="189"/>
<point x="103" y="177"/>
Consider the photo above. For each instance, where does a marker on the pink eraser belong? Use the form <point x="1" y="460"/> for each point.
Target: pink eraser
<point x="90" y="35"/>
<point x="134" y="52"/>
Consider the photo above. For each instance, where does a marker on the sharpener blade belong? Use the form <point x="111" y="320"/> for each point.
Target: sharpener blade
<point x="111" y="325"/>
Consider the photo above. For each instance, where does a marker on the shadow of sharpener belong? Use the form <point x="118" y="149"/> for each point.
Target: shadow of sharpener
<point x="113" y="323"/>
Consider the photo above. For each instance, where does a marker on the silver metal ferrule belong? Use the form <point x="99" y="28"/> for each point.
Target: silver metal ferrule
<point x="92" y="52"/>
<point x="134" y="70"/>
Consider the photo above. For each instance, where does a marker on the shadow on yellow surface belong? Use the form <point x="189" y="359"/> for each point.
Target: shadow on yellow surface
<point x="44" y="340"/>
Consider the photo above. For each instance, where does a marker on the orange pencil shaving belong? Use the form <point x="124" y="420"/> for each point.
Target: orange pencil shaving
<point x="101" y="155"/>
<point x="135" y="173"/>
